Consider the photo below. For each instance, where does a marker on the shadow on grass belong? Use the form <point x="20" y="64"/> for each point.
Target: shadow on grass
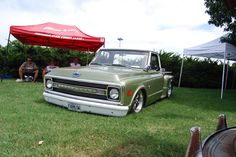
<point x="145" y="146"/>
<point x="40" y="101"/>
<point x="44" y="103"/>
<point x="175" y="116"/>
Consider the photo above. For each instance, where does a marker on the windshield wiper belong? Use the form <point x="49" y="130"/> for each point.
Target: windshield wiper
<point x="95" y="63"/>
<point x="106" y="64"/>
<point x="119" y="65"/>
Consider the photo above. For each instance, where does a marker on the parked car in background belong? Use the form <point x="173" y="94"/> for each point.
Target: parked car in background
<point x="116" y="82"/>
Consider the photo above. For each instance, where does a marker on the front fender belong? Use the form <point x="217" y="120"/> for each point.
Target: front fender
<point x="129" y="92"/>
<point x="141" y="87"/>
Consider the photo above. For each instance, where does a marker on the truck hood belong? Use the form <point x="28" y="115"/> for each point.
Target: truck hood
<point x="98" y="73"/>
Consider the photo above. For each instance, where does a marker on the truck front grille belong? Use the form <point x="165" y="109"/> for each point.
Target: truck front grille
<point x="77" y="88"/>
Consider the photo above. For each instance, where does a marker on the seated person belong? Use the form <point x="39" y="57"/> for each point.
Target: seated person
<point x="28" y="70"/>
<point x="51" y="65"/>
<point x="75" y="63"/>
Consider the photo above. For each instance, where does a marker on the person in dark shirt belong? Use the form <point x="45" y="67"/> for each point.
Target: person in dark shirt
<point x="28" y="68"/>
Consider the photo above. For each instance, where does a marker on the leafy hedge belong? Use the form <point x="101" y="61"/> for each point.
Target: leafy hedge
<point x="200" y="73"/>
<point x="18" y="52"/>
<point x="197" y="73"/>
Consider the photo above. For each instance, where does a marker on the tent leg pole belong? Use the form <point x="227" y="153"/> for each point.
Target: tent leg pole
<point x="223" y="79"/>
<point x="227" y="73"/>
<point x="181" y="71"/>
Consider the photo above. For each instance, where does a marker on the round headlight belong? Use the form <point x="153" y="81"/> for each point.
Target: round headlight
<point x="114" y="94"/>
<point x="49" y="83"/>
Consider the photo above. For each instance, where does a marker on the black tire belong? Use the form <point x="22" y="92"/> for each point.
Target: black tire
<point x="169" y="90"/>
<point x="138" y="102"/>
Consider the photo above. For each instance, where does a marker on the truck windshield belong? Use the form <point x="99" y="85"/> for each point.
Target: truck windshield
<point x="122" y="58"/>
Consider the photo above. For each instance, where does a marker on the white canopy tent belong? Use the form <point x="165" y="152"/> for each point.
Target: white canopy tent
<point x="213" y="49"/>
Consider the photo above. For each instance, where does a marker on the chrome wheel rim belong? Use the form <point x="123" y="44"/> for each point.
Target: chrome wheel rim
<point x="138" y="102"/>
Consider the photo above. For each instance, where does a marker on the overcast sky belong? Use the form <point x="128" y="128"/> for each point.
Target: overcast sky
<point x="145" y="24"/>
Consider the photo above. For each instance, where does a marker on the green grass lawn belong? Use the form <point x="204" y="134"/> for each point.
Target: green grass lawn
<point x="160" y="130"/>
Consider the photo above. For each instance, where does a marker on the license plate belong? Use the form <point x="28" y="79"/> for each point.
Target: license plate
<point x="73" y="107"/>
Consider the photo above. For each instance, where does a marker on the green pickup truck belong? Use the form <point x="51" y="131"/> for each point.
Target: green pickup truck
<point x="116" y="82"/>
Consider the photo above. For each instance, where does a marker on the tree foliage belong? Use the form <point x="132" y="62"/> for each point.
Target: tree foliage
<point x="222" y="16"/>
<point x="171" y="62"/>
<point x="200" y="73"/>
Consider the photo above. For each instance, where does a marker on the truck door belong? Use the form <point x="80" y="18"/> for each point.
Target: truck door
<point x="156" y="78"/>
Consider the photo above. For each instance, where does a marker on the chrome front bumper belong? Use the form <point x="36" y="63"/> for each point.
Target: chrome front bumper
<point x="86" y="105"/>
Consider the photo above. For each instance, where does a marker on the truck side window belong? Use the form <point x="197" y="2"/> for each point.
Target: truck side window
<point x="154" y="62"/>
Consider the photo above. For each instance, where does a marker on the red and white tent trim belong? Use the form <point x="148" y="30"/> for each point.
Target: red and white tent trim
<point x="57" y="35"/>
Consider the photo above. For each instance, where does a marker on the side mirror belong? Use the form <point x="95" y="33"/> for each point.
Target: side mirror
<point x="147" y="68"/>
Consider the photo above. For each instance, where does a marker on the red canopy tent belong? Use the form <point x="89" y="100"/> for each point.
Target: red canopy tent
<point x="57" y="35"/>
